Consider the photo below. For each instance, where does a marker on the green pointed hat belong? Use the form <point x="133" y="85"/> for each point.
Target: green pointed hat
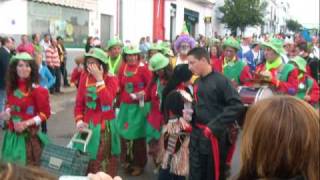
<point x="231" y="42"/>
<point x="156" y="47"/>
<point x="97" y="53"/>
<point x="158" y="61"/>
<point x="300" y="62"/>
<point x="113" y="42"/>
<point x="130" y="49"/>
<point x="275" y="44"/>
<point x="21" y="56"/>
<point x="185" y="29"/>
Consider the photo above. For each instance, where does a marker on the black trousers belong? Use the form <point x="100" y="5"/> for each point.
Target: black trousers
<point x="201" y="157"/>
<point x="55" y="71"/>
<point x="64" y="73"/>
<point x="164" y="174"/>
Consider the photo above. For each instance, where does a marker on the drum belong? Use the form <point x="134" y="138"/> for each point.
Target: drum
<point x="250" y="95"/>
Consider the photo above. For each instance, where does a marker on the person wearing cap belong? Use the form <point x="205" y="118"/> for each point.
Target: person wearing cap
<point x="161" y="69"/>
<point x="308" y="88"/>
<point x="245" y="45"/>
<point x="233" y="68"/>
<point x="26" y="107"/>
<point x="134" y="77"/>
<point x="94" y="110"/>
<point x="114" y="48"/>
<point x="283" y="77"/>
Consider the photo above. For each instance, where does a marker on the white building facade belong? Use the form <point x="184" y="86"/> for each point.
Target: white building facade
<point x="197" y="14"/>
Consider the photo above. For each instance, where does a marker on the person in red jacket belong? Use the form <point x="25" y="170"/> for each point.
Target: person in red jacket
<point x="162" y="70"/>
<point x="93" y="109"/>
<point x="134" y="77"/>
<point x="27" y="106"/>
<point x="215" y="53"/>
<point x="77" y="71"/>
<point x="308" y="88"/>
<point x="284" y="77"/>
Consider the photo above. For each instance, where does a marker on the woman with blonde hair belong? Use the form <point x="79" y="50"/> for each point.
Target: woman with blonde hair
<point x="280" y="140"/>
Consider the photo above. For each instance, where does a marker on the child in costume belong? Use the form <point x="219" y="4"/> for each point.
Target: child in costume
<point x="174" y="141"/>
<point x="27" y="106"/>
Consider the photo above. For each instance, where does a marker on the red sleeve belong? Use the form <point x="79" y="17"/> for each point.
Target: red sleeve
<point x="289" y="87"/>
<point x="308" y="71"/>
<point x="147" y="76"/>
<point x="314" y="92"/>
<point x="80" y="98"/>
<point x="41" y="98"/>
<point x="246" y="76"/>
<point x="107" y="92"/>
<point x="75" y="76"/>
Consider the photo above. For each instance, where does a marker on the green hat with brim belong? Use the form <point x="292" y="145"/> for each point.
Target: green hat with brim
<point x="275" y="44"/>
<point x="213" y="41"/>
<point x="131" y="50"/>
<point x="157" y="62"/>
<point x="114" y="42"/>
<point x="300" y="62"/>
<point x="97" y="53"/>
<point x="21" y="56"/>
<point x="156" y="47"/>
<point x="231" y="42"/>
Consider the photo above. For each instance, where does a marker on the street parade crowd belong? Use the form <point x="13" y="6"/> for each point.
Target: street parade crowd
<point x="182" y="104"/>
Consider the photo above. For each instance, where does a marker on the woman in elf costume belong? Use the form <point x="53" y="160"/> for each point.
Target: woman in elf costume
<point x="162" y="70"/>
<point x="284" y="77"/>
<point x="114" y="48"/>
<point x="27" y="106"/>
<point x="134" y="77"/>
<point x="93" y="109"/>
<point x="308" y="88"/>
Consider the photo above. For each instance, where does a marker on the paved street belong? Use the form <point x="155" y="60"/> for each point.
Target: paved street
<point x="61" y="127"/>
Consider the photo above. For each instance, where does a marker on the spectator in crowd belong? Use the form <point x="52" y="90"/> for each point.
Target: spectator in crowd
<point x="143" y="47"/>
<point x="315" y="51"/>
<point x="76" y="72"/>
<point x="63" y="60"/>
<point x="254" y="56"/>
<point x="53" y="63"/>
<point x="5" y="55"/>
<point x="312" y="62"/>
<point x="89" y="44"/>
<point x="47" y="80"/>
<point x="293" y="126"/>
<point x="36" y="43"/>
<point x="25" y="46"/>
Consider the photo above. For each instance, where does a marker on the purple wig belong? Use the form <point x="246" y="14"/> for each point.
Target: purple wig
<point x="184" y="38"/>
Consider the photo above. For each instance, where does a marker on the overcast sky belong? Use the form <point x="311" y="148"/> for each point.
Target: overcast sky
<point x="305" y="12"/>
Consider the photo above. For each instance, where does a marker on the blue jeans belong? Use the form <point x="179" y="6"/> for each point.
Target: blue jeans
<point x="2" y="99"/>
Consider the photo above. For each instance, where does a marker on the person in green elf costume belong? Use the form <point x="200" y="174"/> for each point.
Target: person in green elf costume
<point x="154" y="48"/>
<point x="283" y="77"/>
<point x="308" y="88"/>
<point x="114" y="50"/>
<point x="134" y="77"/>
<point x="94" y="110"/>
<point x="162" y="71"/>
<point x="27" y="107"/>
<point x="233" y="68"/>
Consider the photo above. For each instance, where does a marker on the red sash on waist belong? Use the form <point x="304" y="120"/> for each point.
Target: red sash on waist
<point x="214" y="147"/>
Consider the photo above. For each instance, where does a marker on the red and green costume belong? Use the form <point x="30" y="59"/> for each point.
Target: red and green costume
<point x="284" y="76"/>
<point x="94" y="106"/>
<point x="132" y="119"/>
<point x="25" y="148"/>
<point x="308" y="85"/>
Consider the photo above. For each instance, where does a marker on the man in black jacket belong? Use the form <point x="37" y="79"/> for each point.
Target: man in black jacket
<point x="5" y="55"/>
<point x="217" y="107"/>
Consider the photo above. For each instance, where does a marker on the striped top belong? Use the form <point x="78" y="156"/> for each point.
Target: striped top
<point x="52" y="57"/>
